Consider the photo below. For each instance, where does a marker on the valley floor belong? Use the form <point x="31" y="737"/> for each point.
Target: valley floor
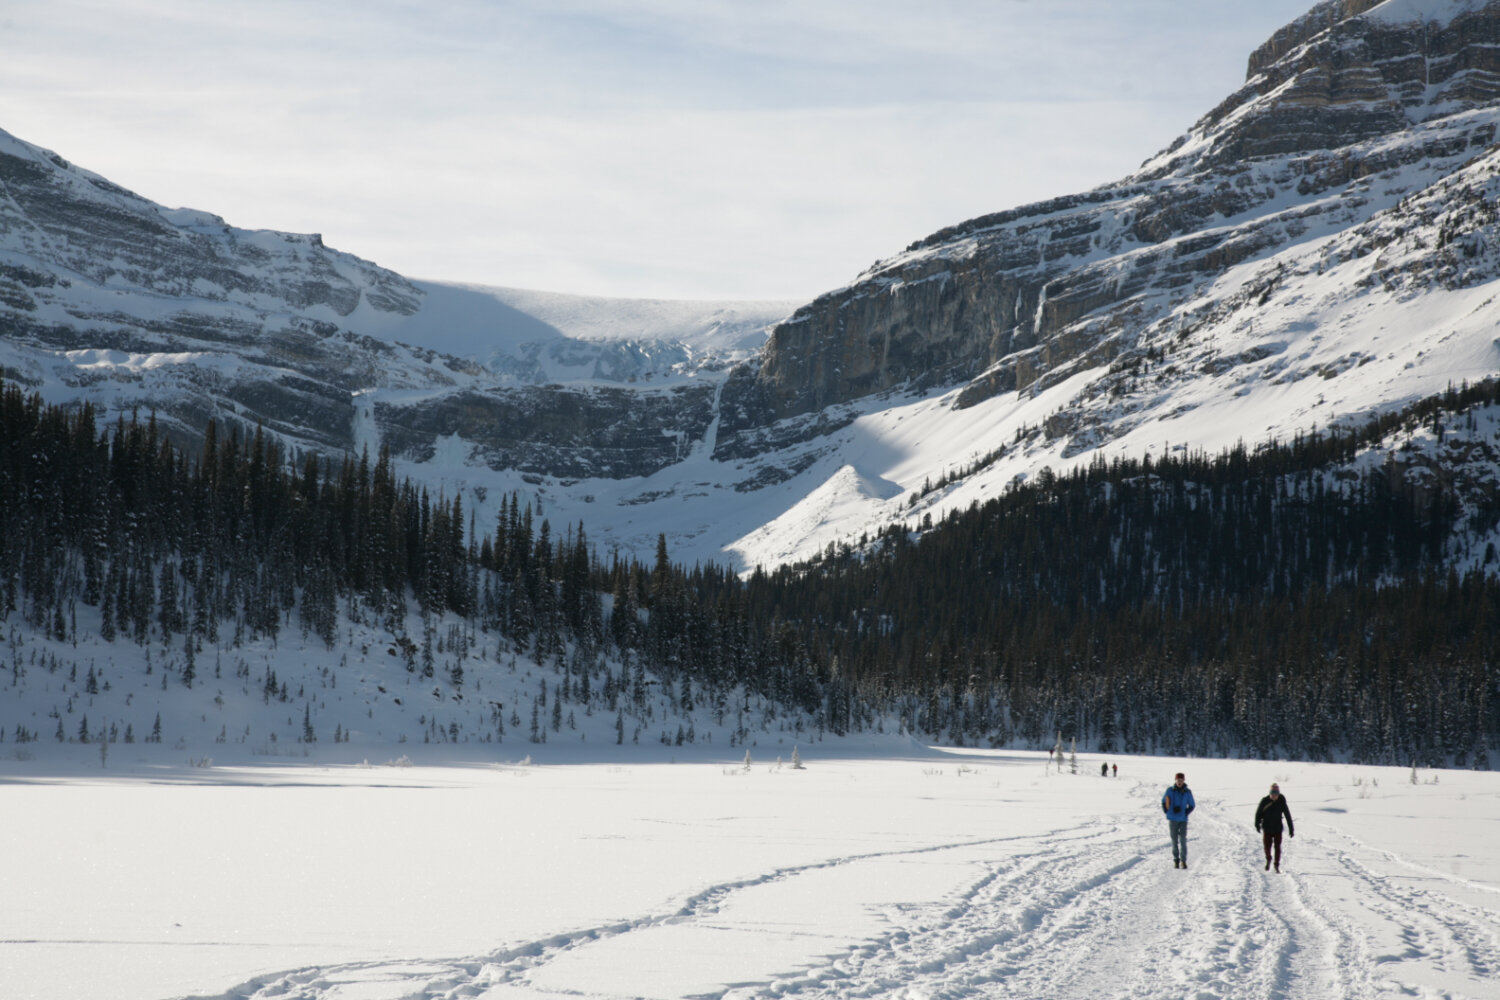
<point x="917" y="874"/>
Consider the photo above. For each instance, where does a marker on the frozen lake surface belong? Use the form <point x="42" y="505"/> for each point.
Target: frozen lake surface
<point x="900" y="872"/>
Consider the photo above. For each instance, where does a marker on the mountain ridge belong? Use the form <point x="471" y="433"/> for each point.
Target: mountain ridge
<point x="1232" y="277"/>
<point x="1011" y="291"/>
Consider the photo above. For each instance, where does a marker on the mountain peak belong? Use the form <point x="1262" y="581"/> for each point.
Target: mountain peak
<point x="1347" y="72"/>
<point x="1332" y="13"/>
<point x="1316" y="21"/>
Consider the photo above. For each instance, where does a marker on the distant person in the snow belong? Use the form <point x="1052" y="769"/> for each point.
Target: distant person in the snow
<point x="1116" y="768"/>
<point x="1268" y="816"/>
<point x="1103" y="770"/>
<point x="1177" y="804"/>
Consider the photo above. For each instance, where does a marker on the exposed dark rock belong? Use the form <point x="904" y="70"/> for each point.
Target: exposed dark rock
<point x="556" y="430"/>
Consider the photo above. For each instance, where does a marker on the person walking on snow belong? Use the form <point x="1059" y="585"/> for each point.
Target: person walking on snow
<point x="1268" y="824"/>
<point x="1177" y="803"/>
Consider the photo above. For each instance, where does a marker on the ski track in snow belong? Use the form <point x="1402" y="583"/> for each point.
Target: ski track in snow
<point x="1088" y="911"/>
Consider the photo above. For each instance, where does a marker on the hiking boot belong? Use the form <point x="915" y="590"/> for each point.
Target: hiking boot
<point x="1268" y="864"/>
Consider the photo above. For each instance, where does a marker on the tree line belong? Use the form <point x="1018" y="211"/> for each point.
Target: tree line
<point x="1255" y="601"/>
<point x="1273" y="601"/>
<point x="239" y="540"/>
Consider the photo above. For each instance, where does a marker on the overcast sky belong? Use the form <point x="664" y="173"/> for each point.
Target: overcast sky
<point x="709" y="149"/>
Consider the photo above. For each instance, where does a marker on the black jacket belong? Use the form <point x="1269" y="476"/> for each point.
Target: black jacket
<point x="1268" y="815"/>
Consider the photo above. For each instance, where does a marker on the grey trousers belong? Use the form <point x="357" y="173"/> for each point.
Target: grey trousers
<point x="1179" y="839"/>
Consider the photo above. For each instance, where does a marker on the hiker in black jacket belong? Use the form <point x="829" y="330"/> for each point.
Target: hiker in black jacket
<point x="1268" y="824"/>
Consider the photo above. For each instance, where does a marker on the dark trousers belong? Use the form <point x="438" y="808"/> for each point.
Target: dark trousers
<point x="1272" y="839"/>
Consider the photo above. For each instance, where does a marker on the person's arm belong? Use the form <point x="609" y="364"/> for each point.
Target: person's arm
<point x="1191" y="803"/>
<point x="1259" y="811"/>
<point x="1286" y="811"/>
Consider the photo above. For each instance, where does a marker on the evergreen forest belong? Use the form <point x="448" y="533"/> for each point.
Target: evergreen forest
<point x="1286" y="600"/>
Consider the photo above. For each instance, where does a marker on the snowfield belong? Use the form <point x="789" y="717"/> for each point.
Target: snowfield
<point x="882" y="869"/>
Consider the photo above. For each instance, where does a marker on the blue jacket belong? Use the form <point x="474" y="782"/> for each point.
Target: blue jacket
<point x="1177" y="803"/>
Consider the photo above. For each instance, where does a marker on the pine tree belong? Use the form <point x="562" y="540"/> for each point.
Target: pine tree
<point x="107" y="616"/>
<point x="190" y="659"/>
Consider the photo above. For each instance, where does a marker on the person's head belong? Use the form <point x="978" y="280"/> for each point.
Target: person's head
<point x="1275" y="790"/>
<point x="1180" y="779"/>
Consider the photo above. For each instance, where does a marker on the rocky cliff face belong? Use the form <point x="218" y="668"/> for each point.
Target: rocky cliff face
<point x="104" y="292"/>
<point x="1343" y="113"/>
<point x="68" y="220"/>
<point x="566" y="433"/>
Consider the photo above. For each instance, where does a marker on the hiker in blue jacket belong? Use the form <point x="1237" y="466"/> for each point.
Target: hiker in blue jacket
<point x="1177" y="804"/>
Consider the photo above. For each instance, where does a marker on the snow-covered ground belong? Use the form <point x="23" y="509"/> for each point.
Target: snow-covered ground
<point x="889" y="871"/>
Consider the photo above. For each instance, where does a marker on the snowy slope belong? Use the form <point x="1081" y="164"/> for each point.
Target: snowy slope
<point x="895" y="874"/>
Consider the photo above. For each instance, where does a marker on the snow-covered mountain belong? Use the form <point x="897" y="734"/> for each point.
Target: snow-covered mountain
<point x="1318" y="249"/>
<point x="106" y="295"/>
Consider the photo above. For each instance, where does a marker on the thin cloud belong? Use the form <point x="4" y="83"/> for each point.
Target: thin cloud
<point x="654" y="148"/>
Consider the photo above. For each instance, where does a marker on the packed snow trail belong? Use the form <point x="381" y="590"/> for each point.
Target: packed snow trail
<point x="1088" y="910"/>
